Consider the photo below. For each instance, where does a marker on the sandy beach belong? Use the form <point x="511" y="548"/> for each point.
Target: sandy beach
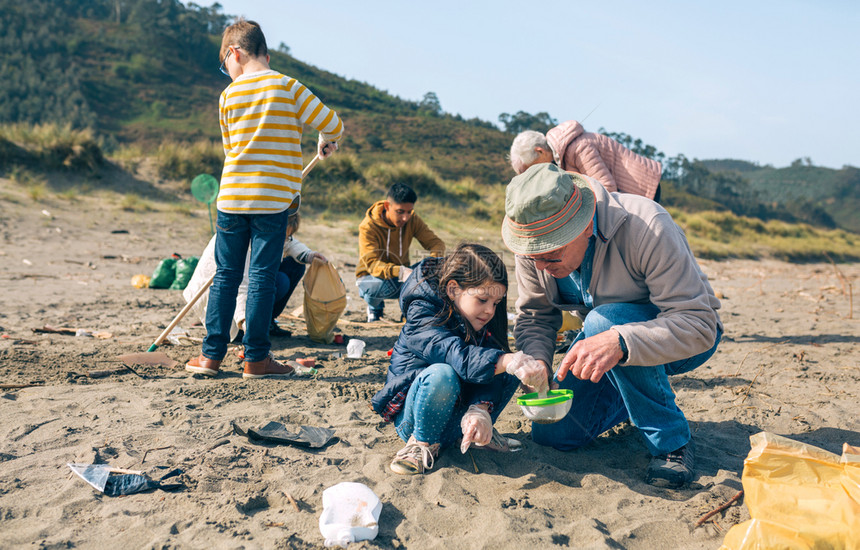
<point x="788" y="364"/>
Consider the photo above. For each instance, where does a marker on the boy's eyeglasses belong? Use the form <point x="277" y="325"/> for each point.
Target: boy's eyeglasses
<point x="223" y="69"/>
<point x="545" y="260"/>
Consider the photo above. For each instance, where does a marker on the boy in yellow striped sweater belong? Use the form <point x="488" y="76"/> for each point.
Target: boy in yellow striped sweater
<point x="262" y="114"/>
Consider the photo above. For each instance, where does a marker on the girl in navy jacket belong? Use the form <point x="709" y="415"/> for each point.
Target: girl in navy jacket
<point x="451" y="368"/>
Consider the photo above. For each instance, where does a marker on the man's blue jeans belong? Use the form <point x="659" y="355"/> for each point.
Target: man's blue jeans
<point x="642" y="394"/>
<point x="265" y="234"/>
<point x="374" y="290"/>
<point x="438" y="399"/>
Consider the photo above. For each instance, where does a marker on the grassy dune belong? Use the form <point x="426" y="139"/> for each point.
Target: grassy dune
<point x="48" y="159"/>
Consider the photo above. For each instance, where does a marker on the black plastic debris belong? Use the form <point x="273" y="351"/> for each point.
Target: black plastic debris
<point x="307" y="436"/>
<point x="117" y="482"/>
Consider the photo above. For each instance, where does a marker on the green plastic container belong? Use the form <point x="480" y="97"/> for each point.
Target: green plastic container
<point x="546" y="410"/>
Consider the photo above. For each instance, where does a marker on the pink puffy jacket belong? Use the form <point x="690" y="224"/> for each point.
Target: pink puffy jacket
<point x="604" y="159"/>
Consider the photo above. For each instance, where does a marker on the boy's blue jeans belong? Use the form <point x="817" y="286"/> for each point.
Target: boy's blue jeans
<point x="374" y="290"/>
<point x="642" y="394"/>
<point x="434" y="407"/>
<point x="265" y="234"/>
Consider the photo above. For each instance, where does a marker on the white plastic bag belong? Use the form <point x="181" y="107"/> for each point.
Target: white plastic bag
<point x="350" y="514"/>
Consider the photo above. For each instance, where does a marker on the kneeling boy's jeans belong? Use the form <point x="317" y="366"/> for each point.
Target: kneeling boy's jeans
<point x="642" y="394"/>
<point x="437" y="400"/>
<point x="265" y="233"/>
<point x="374" y="290"/>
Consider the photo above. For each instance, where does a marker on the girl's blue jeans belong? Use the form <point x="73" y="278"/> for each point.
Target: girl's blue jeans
<point x="265" y="234"/>
<point x="642" y="394"/>
<point x="438" y="399"/>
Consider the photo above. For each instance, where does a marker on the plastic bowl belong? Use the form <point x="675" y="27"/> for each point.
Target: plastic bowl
<point x="547" y="410"/>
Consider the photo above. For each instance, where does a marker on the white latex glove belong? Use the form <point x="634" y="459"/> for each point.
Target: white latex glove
<point x="325" y="148"/>
<point x="405" y="272"/>
<point x="318" y="256"/>
<point x="529" y="370"/>
<point x="477" y="427"/>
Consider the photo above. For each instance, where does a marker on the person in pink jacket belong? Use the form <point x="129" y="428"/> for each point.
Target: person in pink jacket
<point x="595" y="155"/>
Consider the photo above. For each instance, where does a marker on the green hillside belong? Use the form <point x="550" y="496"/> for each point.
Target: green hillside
<point x="836" y="192"/>
<point x="152" y="73"/>
<point x="144" y="73"/>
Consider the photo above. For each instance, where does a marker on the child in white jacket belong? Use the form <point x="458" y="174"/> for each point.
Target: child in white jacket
<point x="296" y="256"/>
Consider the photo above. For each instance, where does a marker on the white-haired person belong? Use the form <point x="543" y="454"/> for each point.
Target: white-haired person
<point x="573" y="149"/>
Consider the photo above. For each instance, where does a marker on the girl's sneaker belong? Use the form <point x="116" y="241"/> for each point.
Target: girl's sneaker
<point x="415" y="458"/>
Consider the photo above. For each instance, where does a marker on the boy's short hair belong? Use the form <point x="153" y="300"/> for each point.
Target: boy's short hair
<point x="247" y="35"/>
<point x="402" y="194"/>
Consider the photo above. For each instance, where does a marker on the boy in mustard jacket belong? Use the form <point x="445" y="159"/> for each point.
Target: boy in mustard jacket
<point x="384" y="236"/>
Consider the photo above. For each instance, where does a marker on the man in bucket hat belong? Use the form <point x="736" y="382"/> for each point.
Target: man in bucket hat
<point x="620" y="263"/>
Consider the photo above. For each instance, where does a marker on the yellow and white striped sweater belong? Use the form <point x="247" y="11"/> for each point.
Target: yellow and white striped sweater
<point x="262" y="115"/>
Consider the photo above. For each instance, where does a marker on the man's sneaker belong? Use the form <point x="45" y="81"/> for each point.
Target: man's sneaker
<point x="373" y="315"/>
<point x="415" y="458"/>
<point x="501" y="444"/>
<point x="673" y="470"/>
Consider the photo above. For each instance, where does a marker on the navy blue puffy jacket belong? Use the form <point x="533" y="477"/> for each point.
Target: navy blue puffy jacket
<point x="424" y="341"/>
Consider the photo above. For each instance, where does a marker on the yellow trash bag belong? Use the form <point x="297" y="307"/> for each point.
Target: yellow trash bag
<point x="325" y="300"/>
<point x="569" y="322"/>
<point x="798" y="496"/>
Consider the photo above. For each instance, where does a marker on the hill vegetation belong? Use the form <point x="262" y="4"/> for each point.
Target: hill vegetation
<point x="821" y="195"/>
<point x="91" y="85"/>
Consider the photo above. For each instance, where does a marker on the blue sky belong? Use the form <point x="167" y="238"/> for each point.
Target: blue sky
<point x="763" y="81"/>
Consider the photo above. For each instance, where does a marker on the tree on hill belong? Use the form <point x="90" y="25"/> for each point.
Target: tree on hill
<point x="430" y="104"/>
<point x="521" y="121"/>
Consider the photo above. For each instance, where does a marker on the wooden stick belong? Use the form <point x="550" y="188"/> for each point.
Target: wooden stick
<point x="719" y="509"/>
<point x="751" y="384"/>
<point x="17" y="386"/>
<point x="474" y="464"/>
<point x="156" y="449"/>
<point x="293" y="501"/>
<point x="218" y="443"/>
<point x="124" y="471"/>
<point x="381" y="322"/>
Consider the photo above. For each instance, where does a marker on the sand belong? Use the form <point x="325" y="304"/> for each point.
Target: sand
<point x="788" y="364"/>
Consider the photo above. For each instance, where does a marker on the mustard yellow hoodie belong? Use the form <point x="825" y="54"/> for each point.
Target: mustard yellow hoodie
<point x="383" y="247"/>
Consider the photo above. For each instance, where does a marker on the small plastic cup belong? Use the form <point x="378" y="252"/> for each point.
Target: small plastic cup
<point x="355" y="348"/>
<point x="546" y="410"/>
